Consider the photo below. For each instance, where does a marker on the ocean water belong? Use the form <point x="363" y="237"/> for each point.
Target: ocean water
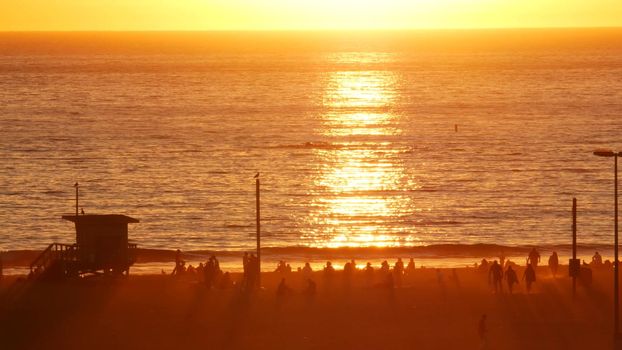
<point x="387" y="139"/>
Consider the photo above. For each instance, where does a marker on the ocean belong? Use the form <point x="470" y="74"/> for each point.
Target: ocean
<point x="388" y="140"/>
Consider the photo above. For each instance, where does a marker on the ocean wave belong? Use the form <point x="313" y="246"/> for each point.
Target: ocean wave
<point x="238" y="225"/>
<point x="327" y="145"/>
<point x="311" y="145"/>
<point x="303" y="253"/>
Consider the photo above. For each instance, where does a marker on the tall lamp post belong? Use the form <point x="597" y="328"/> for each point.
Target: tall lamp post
<point x="258" y="227"/>
<point x="616" y="296"/>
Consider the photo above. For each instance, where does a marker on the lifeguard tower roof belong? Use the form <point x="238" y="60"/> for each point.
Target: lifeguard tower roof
<point x="92" y="219"/>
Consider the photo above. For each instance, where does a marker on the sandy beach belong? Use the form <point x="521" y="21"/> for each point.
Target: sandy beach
<point x="166" y="312"/>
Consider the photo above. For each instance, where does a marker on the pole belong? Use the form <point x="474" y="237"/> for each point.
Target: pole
<point x="76" y="186"/>
<point x="574" y="244"/>
<point x="616" y="296"/>
<point x="258" y="223"/>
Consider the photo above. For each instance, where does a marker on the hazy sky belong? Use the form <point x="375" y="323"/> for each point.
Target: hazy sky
<point x="303" y="14"/>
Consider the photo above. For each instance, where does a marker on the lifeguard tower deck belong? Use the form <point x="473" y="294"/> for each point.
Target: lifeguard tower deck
<point x="101" y="246"/>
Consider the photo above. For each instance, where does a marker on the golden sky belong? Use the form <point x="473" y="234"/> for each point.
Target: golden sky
<point x="304" y="14"/>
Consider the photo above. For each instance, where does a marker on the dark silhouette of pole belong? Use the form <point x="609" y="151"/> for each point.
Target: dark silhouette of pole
<point x="616" y="291"/>
<point x="574" y="244"/>
<point x="76" y="185"/>
<point x="258" y="224"/>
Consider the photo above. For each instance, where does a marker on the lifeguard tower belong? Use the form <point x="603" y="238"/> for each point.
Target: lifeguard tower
<point x="101" y="246"/>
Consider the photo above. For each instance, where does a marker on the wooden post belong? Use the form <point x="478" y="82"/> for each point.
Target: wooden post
<point x="574" y="244"/>
<point x="76" y="185"/>
<point x="616" y="272"/>
<point x="258" y="224"/>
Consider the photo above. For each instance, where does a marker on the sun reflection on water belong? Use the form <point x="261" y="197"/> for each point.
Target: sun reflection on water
<point x="361" y="180"/>
<point x="360" y="89"/>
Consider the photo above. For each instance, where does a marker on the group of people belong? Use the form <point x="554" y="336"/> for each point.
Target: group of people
<point x="388" y="277"/>
<point x="385" y="273"/>
<point x="505" y="270"/>
<point x="213" y="276"/>
<point x="384" y="276"/>
<point x="499" y="273"/>
<point x="283" y="267"/>
<point x="496" y="276"/>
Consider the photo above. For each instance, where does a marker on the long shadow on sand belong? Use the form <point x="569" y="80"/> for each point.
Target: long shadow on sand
<point x="35" y="313"/>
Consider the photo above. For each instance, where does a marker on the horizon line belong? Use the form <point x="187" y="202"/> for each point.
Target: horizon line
<point x="301" y="30"/>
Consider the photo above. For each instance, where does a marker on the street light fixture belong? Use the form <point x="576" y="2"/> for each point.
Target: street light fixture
<point x="616" y="297"/>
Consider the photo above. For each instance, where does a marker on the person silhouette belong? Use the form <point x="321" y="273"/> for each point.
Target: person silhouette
<point x="281" y="267"/>
<point x="310" y="291"/>
<point x="495" y="276"/>
<point x="554" y="263"/>
<point x="307" y="271"/>
<point x="534" y="258"/>
<point x="597" y="260"/>
<point x="483" y="266"/>
<point x="252" y="273"/>
<point x="369" y="274"/>
<point x="398" y="272"/>
<point x="353" y="264"/>
<point x="529" y="276"/>
<point x="178" y="261"/>
<point x="348" y="273"/>
<point x="511" y="278"/>
<point x="607" y="264"/>
<point x="329" y="272"/>
<point x="385" y="269"/>
<point x="410" y="268"/>
<point x="209" y="273"/>
<point x="246" y="270"/>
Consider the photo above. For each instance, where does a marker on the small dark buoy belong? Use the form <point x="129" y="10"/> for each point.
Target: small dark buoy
<point x="456" y="127"/>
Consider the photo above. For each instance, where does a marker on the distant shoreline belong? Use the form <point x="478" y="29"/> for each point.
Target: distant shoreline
<point x="441" y="255"/>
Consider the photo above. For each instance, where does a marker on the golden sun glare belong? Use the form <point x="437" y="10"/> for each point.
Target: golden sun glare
<point x="358" y="174"/>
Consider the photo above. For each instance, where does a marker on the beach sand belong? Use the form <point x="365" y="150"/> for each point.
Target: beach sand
<point x="166" y="312"/>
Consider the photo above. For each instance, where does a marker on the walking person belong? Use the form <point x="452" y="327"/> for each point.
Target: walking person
<point x="529" y="276"/>
<point x="410" y="268"/>
<point x="554" y="263"/>
<point x="495" y="276"/>
<point x="511" y="278"/>
<point x="246" y="271"/>
<point x="534" y="258"/>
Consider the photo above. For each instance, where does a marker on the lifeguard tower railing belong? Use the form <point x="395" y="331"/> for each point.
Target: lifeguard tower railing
<point x="53" y="253"/>
<point x="67" y="254"/>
